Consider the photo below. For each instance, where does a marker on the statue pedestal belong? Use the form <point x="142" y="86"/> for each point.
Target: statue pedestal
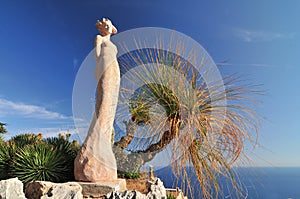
<point x="99" y="189"/>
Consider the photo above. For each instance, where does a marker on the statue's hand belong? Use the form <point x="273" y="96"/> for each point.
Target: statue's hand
<point x="98" y="42"/>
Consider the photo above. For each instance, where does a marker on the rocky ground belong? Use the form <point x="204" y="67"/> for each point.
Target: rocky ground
<point x="136" y="189"/>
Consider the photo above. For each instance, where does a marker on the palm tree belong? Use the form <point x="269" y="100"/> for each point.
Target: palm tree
<point x="202" y="125"/>
<point x="2" y="130"/>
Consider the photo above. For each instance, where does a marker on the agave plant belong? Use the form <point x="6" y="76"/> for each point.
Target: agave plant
<point x="7" y="152"/>
<point x="69" y="149"/>
<point x="40" y="162"/>
<point x="202" y="125"/>
<point x="22" y="140"/>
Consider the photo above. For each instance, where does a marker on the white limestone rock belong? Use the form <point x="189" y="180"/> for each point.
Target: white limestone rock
<point x="49" y="190"/>
<point x="156" y="189"/>
<point x="11" y="189"/>
<point x="126" y="195"/>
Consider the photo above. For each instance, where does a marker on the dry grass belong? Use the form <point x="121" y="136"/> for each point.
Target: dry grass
<point x="137" y="184"/>
<point x="207" y="124"/>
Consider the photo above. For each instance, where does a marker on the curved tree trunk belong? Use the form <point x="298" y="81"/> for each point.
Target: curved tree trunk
<point x="127" y="162"/>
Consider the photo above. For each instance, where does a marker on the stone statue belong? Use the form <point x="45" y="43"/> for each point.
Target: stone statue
<point x="95" y="161"/>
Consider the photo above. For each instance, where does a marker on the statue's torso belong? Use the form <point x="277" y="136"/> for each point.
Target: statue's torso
<point x="107" y="56"/>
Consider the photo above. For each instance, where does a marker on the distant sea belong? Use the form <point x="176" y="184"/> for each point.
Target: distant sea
<point x="260" y="182"/>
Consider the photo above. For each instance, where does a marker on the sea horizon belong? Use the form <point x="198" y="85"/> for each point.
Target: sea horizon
<point x="257" y="183"/>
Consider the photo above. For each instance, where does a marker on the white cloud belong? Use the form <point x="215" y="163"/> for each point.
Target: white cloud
<point x="10" y="108"/>
<point x="247" y="65"/>
<point x="260" y="36"/>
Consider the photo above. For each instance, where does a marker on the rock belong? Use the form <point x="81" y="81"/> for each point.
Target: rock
<point x="126" y="195"/>
<point x="99" y="189"/>
<point x="156" y="189"/>
<point x="11" y="189"/>
<point x="49" y="190"/>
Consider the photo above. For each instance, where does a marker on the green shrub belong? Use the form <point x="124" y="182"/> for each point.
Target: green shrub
<point x="26" y="139"/>
<point x="130" y="175"/>
<point x="67" y="148"/>
<point x="171" y="197"/>
<point x="68" y="151"/>
<point x="7" y="152"/>
<point x="40" y="162"/>
<point x="30" y="157"/>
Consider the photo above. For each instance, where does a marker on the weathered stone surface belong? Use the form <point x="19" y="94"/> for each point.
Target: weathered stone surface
<point x="95" y="161"/>
<point x="11" y="189"/>
<point x="126" y="195"/>
<point x="100" y="189"/>
<point x="49" y="190"/>
<point x="156" y="189"/>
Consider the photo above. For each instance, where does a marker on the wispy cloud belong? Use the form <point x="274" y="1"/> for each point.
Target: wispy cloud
<point x="260" y="35"/>
<point x="10" y="108"/>
<point x="75" y="63"/>
<point x="258" y="65"/>
<point x="246" y="65"/>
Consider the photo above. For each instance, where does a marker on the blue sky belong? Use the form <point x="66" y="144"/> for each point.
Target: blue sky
<point x="43" y="43"/>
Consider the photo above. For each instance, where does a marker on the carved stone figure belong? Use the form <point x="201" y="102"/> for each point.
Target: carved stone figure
<point x="95" y="161"/>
